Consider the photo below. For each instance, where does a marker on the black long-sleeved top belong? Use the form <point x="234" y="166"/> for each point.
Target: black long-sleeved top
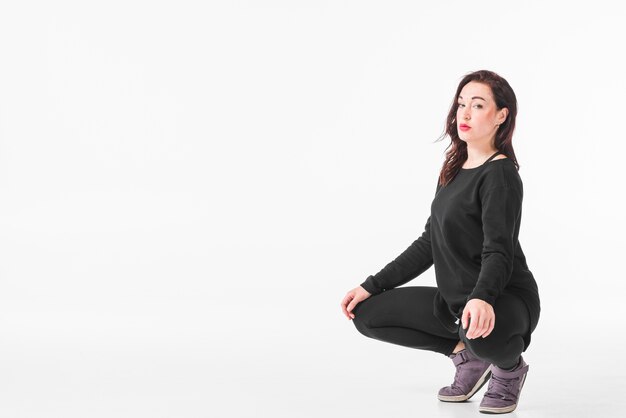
<point x="471" y="237"/>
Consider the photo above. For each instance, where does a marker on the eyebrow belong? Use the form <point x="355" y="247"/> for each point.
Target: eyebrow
<point x="475" y="97"/>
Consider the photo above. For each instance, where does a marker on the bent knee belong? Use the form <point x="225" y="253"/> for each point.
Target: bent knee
<point x="495" y="349"/>
<point x="485" y="347"/>
<point x="362" y="319"/>
<point x="361" y="325"/>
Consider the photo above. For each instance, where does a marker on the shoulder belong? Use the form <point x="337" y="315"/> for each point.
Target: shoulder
<point x="501" y="174"/>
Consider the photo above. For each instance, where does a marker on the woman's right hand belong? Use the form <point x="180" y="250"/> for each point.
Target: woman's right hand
<point x="353" y="298"/>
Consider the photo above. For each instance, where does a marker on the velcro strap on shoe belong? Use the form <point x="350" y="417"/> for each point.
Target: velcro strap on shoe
<point x="509" y="375"/>
<point x="460" y="358"/>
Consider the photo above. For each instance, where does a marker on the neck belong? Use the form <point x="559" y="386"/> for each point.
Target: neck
<point x="478" y="153"/>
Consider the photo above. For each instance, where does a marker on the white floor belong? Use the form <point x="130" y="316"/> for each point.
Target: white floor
<point x="270" y="365"/>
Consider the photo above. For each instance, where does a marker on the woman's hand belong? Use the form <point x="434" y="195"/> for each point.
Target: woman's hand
<point x="483" y="318"/>
<point x="353" y="298"/>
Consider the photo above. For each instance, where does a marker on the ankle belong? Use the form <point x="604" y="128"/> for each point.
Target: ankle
<point x="459" y="347"/>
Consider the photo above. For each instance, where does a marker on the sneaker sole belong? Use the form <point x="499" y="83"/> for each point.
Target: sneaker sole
<point x="462" y="398"/>
<point x="504" y="409"/>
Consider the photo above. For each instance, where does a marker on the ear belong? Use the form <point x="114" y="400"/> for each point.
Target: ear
<point x="502" y="115"/>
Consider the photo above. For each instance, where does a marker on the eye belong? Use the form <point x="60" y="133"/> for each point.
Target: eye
<point x="460" y="104"/>
<point x="479" y="106"/>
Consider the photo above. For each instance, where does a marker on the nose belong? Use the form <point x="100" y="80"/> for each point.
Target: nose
<point x="466" y="114"/>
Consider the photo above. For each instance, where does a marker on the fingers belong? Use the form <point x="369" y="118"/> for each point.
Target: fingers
<point x="482" y="318"/>
<point x="473" y="324"/>
<point x="344" y="303"/>
<point x="353" y="298"/>
<point x="492" y="325"/>
<point x="478" y="325"/>
<point x="490" y="322"/>
<point x="347" y="304"/>
<point x="465" y="317"/>
<point x="351" y="306"/>
<point x="481" y="325"/>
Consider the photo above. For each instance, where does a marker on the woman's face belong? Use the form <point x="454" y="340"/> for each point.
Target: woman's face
<point x="477" y="115"/>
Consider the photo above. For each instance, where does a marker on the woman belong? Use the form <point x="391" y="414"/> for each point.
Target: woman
<point x="471" y="237"/>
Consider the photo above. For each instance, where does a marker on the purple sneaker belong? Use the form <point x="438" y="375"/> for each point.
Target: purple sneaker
<point x="471" y="374"/>
<point x="504" y="389"/>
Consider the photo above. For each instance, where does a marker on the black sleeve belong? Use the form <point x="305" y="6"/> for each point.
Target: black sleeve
<point x="501" y="215"/>
<point x="416" y="259"/>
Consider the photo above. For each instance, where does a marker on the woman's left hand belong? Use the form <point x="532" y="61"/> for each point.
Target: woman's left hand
<point x="483" y="318"/>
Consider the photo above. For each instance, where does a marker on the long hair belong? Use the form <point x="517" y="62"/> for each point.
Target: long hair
<point x="504" y="97"/>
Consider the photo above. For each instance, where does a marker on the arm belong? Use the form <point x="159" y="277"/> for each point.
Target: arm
<point x="501" y="215"/>
<point x="416" y="259"/>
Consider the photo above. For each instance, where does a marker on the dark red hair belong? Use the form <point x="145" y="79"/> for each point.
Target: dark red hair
<point x="504" y="97"/>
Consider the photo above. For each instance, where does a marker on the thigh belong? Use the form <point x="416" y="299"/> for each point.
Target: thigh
<point x="409" y="307"/>
<point x="513" y="314"/>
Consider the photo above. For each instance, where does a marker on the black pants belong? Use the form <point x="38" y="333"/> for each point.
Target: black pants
<point x="404" y="316"/>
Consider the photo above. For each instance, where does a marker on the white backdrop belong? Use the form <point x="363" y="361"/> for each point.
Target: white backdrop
<point x="188" y="189"/>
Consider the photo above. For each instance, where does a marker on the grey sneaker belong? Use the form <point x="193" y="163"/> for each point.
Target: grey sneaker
<point x="471" y="374"/>
<point x="504" y="389"/>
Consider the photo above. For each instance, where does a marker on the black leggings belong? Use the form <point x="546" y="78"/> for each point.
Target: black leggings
<point x="404" y="316"/>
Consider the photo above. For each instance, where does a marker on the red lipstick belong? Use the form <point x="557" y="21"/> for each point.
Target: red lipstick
<point x="464" y="127"/>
